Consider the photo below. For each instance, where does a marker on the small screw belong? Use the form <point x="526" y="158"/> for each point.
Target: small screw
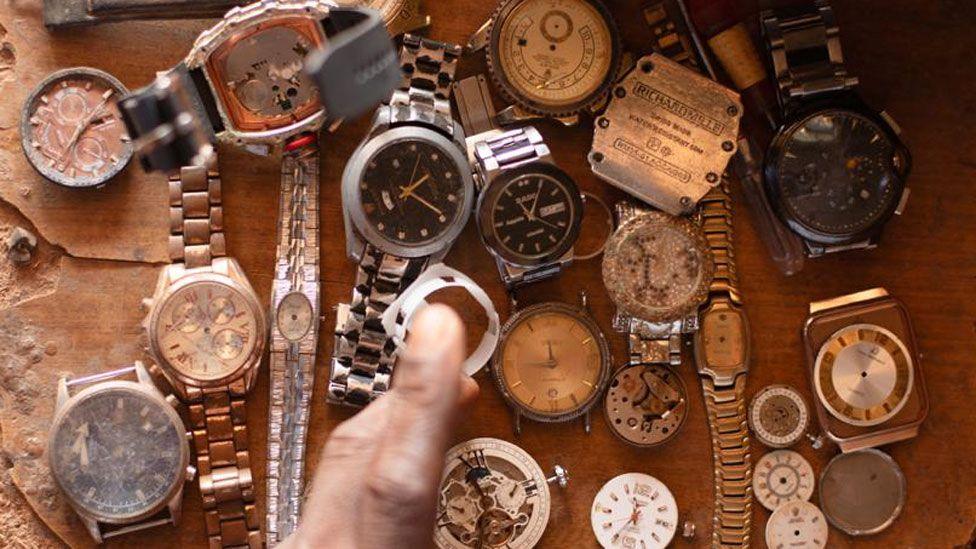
<point x="597" y="157"/>
<point x="727" y="146"/>
<point x="712" y="177"/>
<point x="560" y="476"/>
<point x="817" y="441"/>
<point x="688" y="529"/>
<point x="732" y="110"/>
<point x="604" y="123"/>
<point x="685" y="202"/>
<point x="647" y="67"/>
<point x="620" y="92"/>
<point x="21" y="245"/>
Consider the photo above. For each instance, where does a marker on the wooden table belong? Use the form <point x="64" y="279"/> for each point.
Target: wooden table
<point x="76" y="308"/>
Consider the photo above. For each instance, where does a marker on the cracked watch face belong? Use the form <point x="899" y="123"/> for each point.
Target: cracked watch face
<point x="657" y="267"/>
<point x="633" y="511"/>
<point x="778" y="416"/>
<point x="646" y="404"/>
<point x="797" y="524"/>
<point x="780" y="477"/>
<point x="554" y="57"/>
<point x="117" y="453"/>
<point x="838" y="173"/>
<point x="492" y="494"/>
<point x="864" y="375"/>
<point x="259" y="78"/>
<point x="206" y="331"/>
<point x="72" y="132"/>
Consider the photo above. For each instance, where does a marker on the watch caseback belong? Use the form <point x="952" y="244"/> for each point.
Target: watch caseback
<point x="863" y="492"/>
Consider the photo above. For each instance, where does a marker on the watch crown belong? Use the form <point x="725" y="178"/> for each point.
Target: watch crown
<point x="145" y="304"/>
<point x="191" y="472"/>
<point x="560" y="476"/>
<point x="172" y="400"/>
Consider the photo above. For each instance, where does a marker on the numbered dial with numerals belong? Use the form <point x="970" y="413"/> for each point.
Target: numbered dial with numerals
<point x="206" y="331"/>
<point x="646" y="404"/>
<point x="797" y="525"/>
<point x="554" y="57"/>
<point x="863" y="375"/>
<point x="117" y="453"/>
<point x="778" y="416"/>
<point x="72" y="131"/>
<point x="780" y="477"/>
<point x="412" y="192"/>
<point x="552" y="363"/>
<point x="634" y="510"/>
<point x="492" y="494"/>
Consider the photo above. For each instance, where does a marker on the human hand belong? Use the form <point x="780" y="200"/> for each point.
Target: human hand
<point x="377" y="479"/>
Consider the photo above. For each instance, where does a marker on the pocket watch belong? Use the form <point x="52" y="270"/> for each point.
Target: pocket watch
<point x="118" y="450"/>
<point x="552" y="363"/>
<point x="780" y="477"/>
<point x="552" y="58"/>
<point x="493" y="494"/>
<point x="864" y="370"/>
<point x="71" y="129"/>
<point x="863" y="492"/>
<point x="778" y="416"/>
<point x="634" y="510"/>
<point x="646" y="404"/>
<point x="797" y="524"/>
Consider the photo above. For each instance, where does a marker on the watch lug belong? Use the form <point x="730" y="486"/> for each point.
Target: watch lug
<point x="586" y="422"/>
<point x="143" y="375"/>
<point x="176" y="504"/>
<point x="514" y="114"/>
<point x="93" y="529"/>
<point x="62" y="393"/>
<point x="903" y="202"/>
<point x="891" y="122"/>
<point x="518" y="423"/>
<point x="479" y="39"/>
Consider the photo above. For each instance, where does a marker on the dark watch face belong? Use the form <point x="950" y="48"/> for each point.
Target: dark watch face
<point x="117" y="453"/>
<point x="412" y="192"/>
<point x="837" y="172"/>
<point x="534" y="215"/>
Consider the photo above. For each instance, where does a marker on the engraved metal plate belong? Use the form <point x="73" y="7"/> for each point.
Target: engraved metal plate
<point x="667" y="135"/>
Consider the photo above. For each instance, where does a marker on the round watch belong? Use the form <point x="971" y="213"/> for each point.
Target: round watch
<point x="646" y="404"/>
<point x="634" y="510"/>
<point x="657" y="267"/>
<point x="552" y="362"/>
<point x="492" y="494"/>
<point x="780" y="477"/>
<point x="71" y="128"/>
<point x="863" y="374"/>
<point x="863" y="492"/>
<point x="553" y="58"/>
<point x="797" y="524"/>
<point x="778" y="416"/>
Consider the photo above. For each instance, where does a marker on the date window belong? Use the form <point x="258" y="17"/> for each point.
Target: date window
<point x="552" y="209"/>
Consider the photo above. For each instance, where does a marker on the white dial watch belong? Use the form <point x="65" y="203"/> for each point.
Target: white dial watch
<point x="797" y="525"/>
<point x="634" y="510"/>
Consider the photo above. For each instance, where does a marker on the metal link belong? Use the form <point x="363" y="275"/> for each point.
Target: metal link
<point x="196" y="216"/>
<point x="292" y="362"/>
<point x="428" y="74"/>
<point x="668" y="39"/>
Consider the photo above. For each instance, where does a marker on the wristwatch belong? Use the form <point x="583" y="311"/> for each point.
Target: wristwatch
<point x="207" y="332"/>
<point x="865" y="370"/>
<point x="836" y="170"/>
<point x="400" y="16"/>
<point x="118" y="450"/>
<point x="407" y="193"/>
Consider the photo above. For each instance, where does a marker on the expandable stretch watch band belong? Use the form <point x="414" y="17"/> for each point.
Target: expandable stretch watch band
<point x="670" y="40"/>
<point x="196" y="218"/>
<point x="428" y="74"/>
<point x="294" y="335"/>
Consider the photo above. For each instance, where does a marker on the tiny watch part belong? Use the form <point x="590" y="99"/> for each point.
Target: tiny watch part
<point x="780" y="477"/>
<point x="863" y="492"/>
<point x="863" y="375"/>
<point x="646" y="404"/>
<point x="492" y="494"/>
<point x="553" y="58"/>
<point x="72" y="131"/>
<point x="797" y="525"/>
<point x="634" y="510"/>
<point x="552" y="363"/>
<point x="778" y="416"/>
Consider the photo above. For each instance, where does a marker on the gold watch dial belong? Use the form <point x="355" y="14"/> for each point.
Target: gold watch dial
<point x="551" y="363"/>
<point x="206" y="331"/>
<point x="864" y="375"/>
<point x="554" y="53"/>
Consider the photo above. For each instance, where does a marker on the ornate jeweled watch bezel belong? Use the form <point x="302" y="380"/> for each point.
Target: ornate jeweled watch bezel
<point x="568" y="112"/>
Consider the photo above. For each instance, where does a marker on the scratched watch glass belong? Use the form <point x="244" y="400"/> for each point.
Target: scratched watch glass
<point x="837" y="172"/>
<point x="412" y="192"/>
<point x="206" y="331"/>
<point x="117" y="454"/>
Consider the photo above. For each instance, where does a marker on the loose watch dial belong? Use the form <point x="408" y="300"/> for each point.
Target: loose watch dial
<point x="797" y="524"/>
<point x="206" y="331"/>
<point x="633" y="511"/>
<point x="259" y="76"/>
<point x="532" y="217"/>
<point x="778" y="416"/>
<point x="412" y="192"/>
<point x="657" y="267"/>
<point x="864" y="375"/>
<point x="646" y="404"/>
<point x="552" y="363"/>
<point x="117" y="453"/>
<point x="71" y="128"/>
<point x="492" y="494"/>
<point x="780" y="477"/>
<point x="837" y="173"/>
<point x="553" y="56"/>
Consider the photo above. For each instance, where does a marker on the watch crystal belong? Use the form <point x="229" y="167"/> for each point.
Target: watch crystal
<point x="533" y="216"/>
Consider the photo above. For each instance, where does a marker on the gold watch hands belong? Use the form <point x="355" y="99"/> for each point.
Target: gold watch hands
<point x="430" y="206"/>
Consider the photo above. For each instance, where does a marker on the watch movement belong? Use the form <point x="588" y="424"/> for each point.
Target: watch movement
<point x="778" y="416"/>
<point x="646" y="404"/>
<point x="492" y="494"/>
<point x="863" y="492"/>
<point x="634" y="510"/>
<point x="71" y="128"/>
<point x="780" y="477"/>
<point x="798" y="524"/>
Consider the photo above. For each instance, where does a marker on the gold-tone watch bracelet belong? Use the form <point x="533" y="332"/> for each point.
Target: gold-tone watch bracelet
<point x="196" y="218"/>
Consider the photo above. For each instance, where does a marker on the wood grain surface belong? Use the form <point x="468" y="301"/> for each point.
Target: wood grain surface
<point x="913" y="58"/>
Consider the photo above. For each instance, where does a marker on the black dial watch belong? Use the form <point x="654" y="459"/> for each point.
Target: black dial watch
<point x="836" y="170"/>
